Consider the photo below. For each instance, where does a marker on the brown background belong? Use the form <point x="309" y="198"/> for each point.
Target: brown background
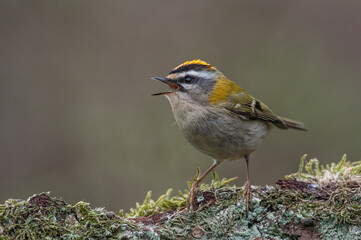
<point x="77" y="118"/>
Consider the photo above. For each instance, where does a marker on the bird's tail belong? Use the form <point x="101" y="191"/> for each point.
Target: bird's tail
<point x="293" y="124"/>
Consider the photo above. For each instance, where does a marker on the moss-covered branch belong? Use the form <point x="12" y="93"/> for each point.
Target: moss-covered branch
<point x="324" y="202"/>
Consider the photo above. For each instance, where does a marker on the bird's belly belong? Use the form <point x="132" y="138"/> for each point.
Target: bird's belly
<point x="225" y="137"/>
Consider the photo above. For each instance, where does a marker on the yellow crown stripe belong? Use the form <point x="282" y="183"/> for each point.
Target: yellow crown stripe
<point x="196" y="61"/>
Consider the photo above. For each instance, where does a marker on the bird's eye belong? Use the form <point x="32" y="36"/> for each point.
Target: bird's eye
<point x="188" y="79"/>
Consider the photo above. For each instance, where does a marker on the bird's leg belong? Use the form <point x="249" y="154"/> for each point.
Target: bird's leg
<point x="191" y="196"/>
<point x="247" y="194"/>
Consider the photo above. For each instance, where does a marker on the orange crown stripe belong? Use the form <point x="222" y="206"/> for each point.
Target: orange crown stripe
<point x="196" y="61"/>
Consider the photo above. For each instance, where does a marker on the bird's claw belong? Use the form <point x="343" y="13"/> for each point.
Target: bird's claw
<point x="247" y="195"/>
<point x="190" y="199"/>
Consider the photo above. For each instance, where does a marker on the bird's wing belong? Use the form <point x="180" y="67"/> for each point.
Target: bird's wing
<point x="245" y="105"/>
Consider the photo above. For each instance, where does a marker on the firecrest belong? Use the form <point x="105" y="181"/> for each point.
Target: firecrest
<point x="218" y="117"/>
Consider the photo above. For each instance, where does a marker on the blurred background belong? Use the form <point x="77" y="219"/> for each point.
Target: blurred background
<point x="76" y="113"/>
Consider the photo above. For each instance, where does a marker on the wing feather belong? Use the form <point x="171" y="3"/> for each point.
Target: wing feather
<point x="245" y="105"/>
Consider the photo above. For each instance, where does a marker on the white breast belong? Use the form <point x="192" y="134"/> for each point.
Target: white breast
<point x="216" y="132"/>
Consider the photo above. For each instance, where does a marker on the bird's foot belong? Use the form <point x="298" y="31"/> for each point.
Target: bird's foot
<point x="247" y="195"/>
<point x="191" y="196"/>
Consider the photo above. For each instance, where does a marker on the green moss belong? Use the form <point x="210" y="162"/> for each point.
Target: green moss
<point x="343" y="170"/>
<point x="227" y="219"/>
<point x="166" y="202"/>
<point x="274" y="209"/>
<point x="45" y="217"/>
<point x="316" y="202"/>
<point x="336" y="190"/>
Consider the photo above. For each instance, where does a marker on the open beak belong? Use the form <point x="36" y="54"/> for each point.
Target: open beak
<point x="173" y="85"/>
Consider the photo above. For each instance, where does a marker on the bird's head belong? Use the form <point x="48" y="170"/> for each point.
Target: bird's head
<point x="199" y="82"/>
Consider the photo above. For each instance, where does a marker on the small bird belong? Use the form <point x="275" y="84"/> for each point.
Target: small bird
<point x="218" y="117"/>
